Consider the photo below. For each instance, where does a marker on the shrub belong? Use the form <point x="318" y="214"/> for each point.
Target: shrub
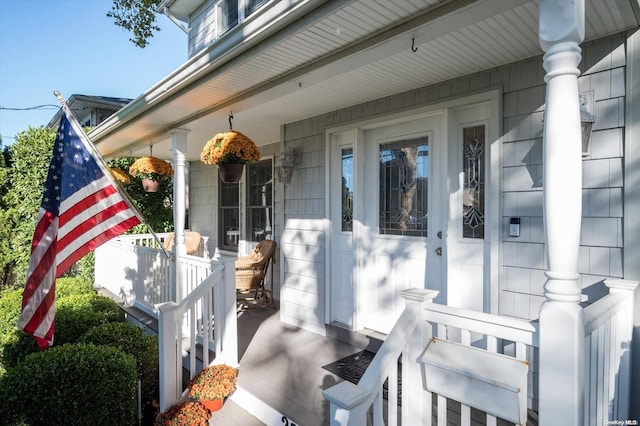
<point x="76" y="384"/>
<point x="132" y="340"/>
<point x="67" y="286"/>
<point x="78" y="313"/>
<point x="15" y="347"/>
<point x="75" y="315"/>
<point x="10" y="306"/>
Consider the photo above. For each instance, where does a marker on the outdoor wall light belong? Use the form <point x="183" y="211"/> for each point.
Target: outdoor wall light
<point x="289" y="160"/>
<point x="586" y="119"/>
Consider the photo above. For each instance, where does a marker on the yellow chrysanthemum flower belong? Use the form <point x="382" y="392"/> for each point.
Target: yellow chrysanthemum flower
<point x="230" y="147"/>
<point x="150" y="168"/>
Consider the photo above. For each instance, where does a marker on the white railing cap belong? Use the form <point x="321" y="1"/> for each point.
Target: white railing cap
<point x="621" y="284"/>
<point x="419" y="294"/>
<point x="345" y="395"/>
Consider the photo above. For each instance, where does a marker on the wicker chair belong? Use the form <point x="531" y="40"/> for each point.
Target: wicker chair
<point x="251" y="271"/>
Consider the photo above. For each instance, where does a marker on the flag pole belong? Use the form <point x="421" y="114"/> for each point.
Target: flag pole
<point x="105" y="169"/>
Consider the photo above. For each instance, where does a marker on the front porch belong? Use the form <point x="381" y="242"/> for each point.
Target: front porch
<point x="282" y="376"/>
<point x="282" y="381"/>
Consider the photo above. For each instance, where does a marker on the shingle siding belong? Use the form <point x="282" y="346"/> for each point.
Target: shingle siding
<point x="523" y="259"/>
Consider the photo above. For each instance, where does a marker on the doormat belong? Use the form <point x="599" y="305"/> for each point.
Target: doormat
<point x="352" y="367"/>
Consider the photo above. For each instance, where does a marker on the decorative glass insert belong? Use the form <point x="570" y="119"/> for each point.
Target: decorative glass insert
<point x="229" y="215"/>
<point x="473" y="184"/>
<point x="260" y="200"/>
<point x="404" y="187"/>
<point x="347" y="189"/>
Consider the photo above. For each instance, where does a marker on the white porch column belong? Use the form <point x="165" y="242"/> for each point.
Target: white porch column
<point x="561" y="318"/>
<point x="179" y="140"/>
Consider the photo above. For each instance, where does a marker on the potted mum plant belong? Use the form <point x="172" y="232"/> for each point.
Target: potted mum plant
<point x="212" y="385"/>
<point x="120" y="175"/>
<point x="188" y="413"/>
<point x="230" y="151"/>
<point x="150" y="170"/>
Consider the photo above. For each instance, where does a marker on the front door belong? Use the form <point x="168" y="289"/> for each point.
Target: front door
<point x="407" y="209"/>
<point x="400" y="247"/>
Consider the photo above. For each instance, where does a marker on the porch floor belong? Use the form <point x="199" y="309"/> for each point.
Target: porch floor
<point x="281" y="365"/>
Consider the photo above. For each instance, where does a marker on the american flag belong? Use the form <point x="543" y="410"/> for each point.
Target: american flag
<point x="81" y="209"/>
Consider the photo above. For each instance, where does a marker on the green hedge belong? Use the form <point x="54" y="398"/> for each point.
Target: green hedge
<point x="74" y="384"/>
<point x="11" y="301"/>
<point x="75" y="315"/>
<point x="10" y="336"/>
<point x="132" y="340"/>
<point x="10" y="307"/>
<point x="67" y="286"/>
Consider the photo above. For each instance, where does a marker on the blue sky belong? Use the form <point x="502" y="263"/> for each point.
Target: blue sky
<point x="73" y="47"/>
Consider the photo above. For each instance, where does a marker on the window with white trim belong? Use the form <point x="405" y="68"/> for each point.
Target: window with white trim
<point x="256" y="223"/>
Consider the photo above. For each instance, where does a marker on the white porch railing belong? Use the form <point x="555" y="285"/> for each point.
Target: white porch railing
<point x="351" y="404"/>
<point x="205" y="320"/>
<point x="136" y="268"/>
<point x="454" y="361"/>
<point x="608" y="331"/>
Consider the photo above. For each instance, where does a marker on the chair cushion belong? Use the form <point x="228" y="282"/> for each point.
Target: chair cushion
<point x="191" y="240"/>
<point x="258" y="257"/>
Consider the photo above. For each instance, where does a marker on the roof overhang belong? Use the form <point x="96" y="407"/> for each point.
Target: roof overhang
<point x="326" y="56"/>
<point x="180" y="9"/>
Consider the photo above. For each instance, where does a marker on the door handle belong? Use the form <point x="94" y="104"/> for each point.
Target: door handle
<point x="439" y="251"/>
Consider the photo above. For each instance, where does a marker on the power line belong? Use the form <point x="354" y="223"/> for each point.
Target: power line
<point x="47" y="106"/>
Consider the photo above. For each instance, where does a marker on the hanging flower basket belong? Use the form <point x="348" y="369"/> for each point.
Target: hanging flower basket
<point x="150" y="185"/>
<point x="232" y="149"/>
<point x="230" y="172"/>
<point x="150" y="169"/>
<point x="120" y="175"/>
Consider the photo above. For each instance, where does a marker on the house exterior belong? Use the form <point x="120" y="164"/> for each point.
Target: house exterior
<point x="413" y="132"/>
<point x="90" y="110"/>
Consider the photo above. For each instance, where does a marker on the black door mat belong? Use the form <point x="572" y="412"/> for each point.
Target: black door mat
<point x="352" y="367"/>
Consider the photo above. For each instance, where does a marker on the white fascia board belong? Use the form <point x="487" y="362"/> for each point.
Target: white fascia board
<point x="224" y="50"/>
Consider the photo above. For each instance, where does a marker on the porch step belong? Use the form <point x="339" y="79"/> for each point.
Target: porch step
<point x="232" y="414"/>
<point x="133" y="315"/>
<point x="249" y="406"/>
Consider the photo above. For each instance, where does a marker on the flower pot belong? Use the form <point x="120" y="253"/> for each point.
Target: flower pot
<point x="150" y="185"/>
<point x="230" y="172"/>
<point x="213" y="405"/>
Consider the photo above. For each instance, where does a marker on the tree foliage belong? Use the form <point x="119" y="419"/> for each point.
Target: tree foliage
<point x="23" y="173"/>
<point x="155" y="207"/>
<point x="5" y="217"/>
<point x="30" y="158"/>
<point x="136" y="16"/>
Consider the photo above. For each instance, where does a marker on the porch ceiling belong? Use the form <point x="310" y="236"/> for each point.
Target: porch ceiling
<point x="342" y="54"/>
